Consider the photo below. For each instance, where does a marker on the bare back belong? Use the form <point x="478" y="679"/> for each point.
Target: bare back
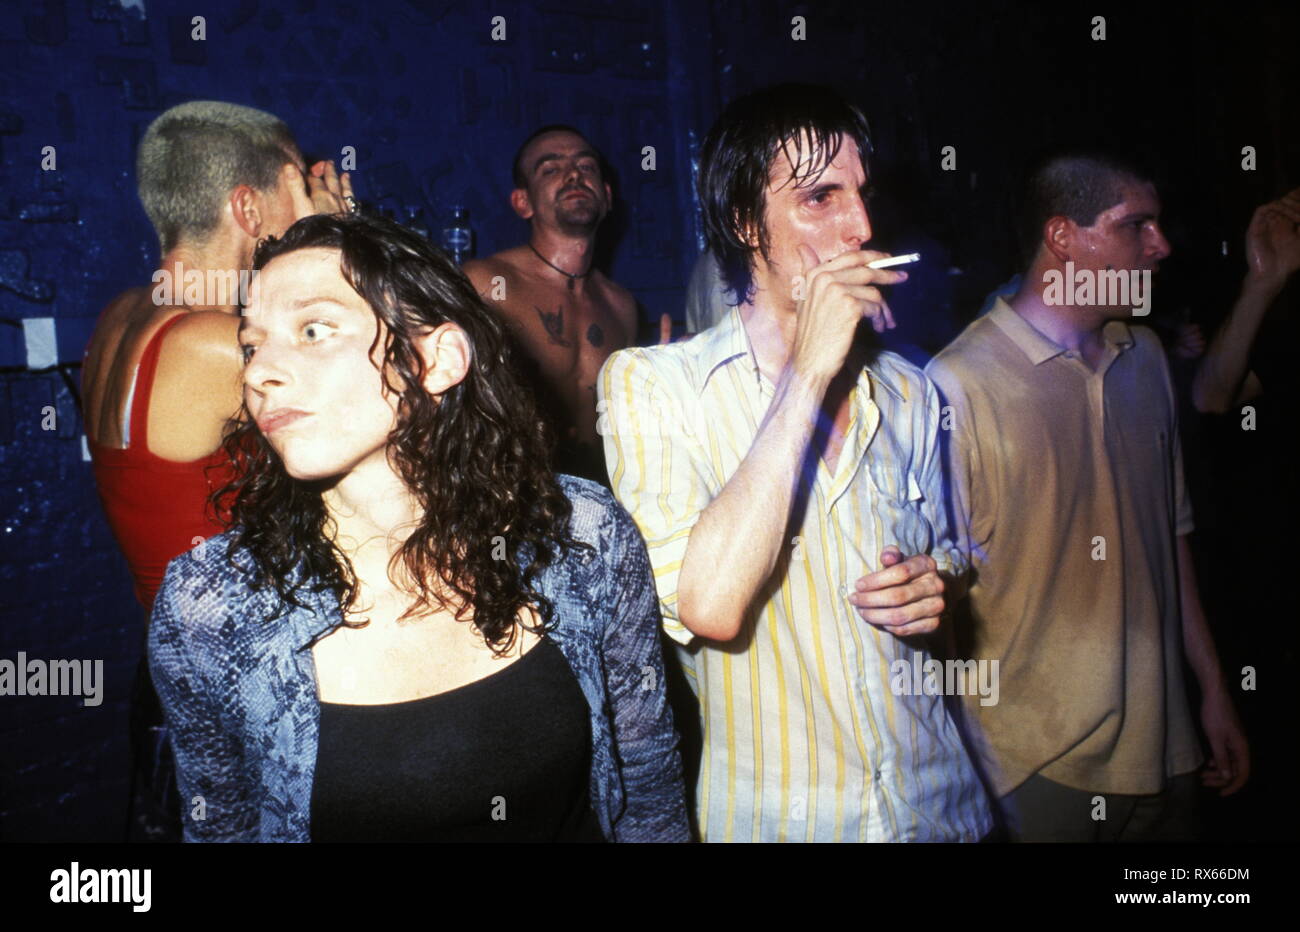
<point x="195" y="390"/>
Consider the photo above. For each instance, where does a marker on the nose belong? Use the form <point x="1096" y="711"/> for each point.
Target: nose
<point x="1159" y="247"/>
<point x="266" y="369"/>
<point x="857" y="223"/>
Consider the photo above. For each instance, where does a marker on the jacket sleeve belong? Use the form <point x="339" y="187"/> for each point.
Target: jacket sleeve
<point x="216" y="799"/>
<point x="644" y="737"/>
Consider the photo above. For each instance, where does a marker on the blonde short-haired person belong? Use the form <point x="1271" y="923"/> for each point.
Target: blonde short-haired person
<point x="160" y="376"/>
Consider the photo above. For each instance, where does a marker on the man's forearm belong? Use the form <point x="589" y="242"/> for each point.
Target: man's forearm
<point x="1223" y="369"/>
<point x="737" y="540"/>
<point x="1198" y="642"/>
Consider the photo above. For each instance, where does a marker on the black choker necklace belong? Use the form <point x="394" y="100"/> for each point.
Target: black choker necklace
<point x="569" y="275"/>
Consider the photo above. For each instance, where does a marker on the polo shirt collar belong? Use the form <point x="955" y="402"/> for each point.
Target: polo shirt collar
<point x="1038" y="347"/>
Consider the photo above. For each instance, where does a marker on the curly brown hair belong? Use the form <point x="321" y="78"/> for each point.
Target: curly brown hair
<point x="477" y="458"/>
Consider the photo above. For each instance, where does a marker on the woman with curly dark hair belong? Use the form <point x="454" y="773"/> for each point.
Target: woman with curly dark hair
<point x="414" y="629"/>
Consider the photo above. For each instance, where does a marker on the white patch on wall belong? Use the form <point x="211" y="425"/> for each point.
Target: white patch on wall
<point x="42" y="349"/>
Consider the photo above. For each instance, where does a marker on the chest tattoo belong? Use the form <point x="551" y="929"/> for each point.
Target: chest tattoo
<point x="595" y="336"/>
<point x="554" y="324"/>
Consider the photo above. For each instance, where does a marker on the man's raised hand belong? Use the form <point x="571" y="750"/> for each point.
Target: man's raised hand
<point x="1273" y="241"/>
<point x="835" y="296"/>
<point x="327" y="189"/>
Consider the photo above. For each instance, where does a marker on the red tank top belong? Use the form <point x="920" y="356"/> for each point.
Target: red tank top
<point x="156" y="507"/>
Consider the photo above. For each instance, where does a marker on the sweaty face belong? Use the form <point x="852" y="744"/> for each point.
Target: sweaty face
<point x="828" y="213"/>
<point x="1126" y="237"/>
<point x="565" y="187"/>
<point x="310" y="380"/>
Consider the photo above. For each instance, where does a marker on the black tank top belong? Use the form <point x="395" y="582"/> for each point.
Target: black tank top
<point x="505" y="758"/>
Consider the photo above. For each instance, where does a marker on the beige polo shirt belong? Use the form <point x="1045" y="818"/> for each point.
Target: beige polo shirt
<point x="1067" y="489"/>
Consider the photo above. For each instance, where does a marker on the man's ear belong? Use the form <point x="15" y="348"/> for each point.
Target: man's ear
<point x="447" y="357"/>
<point x="1059" y="235"/>
<point x="245" y="208"/>
<point x="522" y="203"/>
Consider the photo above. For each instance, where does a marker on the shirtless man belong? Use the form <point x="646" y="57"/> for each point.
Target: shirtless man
<point x="568" y="316"/>
<point x="214" y="179"/>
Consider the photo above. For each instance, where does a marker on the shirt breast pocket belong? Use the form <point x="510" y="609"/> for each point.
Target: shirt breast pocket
<point x="895" y="483"/>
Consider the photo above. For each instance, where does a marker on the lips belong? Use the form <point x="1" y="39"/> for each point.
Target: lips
<point x="279" y="418"/>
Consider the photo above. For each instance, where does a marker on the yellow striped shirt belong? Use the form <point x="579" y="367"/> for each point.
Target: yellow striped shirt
<point x="804" y="738"/>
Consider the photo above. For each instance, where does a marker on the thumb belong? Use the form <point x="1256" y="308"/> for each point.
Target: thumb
<point x="665" y="328"/>
<point x="890" y="555"/>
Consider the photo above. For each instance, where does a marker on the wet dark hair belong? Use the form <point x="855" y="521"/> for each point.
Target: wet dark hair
<point x="477" y="458"/>
<point x="519" y="174"/>
<point x="1078" y="184"/>
<point x="737" y="157"/>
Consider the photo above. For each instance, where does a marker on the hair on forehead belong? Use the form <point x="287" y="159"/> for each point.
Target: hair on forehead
<point x="810" y="154"/>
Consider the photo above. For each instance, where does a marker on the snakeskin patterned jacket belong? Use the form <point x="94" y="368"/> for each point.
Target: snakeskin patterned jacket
<point x="241" y="703"/>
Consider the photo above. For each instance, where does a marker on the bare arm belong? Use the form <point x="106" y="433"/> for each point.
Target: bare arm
<point x="1223" y="379"/>
<point x="1229" y="765"/>
<point x="734" y="546"/>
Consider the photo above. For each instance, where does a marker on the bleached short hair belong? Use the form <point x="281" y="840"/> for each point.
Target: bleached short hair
<point x="194" y="154"/>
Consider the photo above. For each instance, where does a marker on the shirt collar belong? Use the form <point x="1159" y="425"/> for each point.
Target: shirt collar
<point x="727" y="343"/>
<point x="1038" y="347"/>
<point x="723" y="343"/>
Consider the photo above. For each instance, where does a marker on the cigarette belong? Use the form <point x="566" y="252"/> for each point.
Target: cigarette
<point x="895" y="260"/>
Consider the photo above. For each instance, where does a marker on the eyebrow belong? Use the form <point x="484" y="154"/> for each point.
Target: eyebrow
<point x="298" y="305"/>
<point x="822" y="189"/>
<point x="552" y="156"/>
<point x="1140" y="215"/>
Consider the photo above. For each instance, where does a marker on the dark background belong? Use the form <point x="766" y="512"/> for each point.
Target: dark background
<point x="435" y="110"/>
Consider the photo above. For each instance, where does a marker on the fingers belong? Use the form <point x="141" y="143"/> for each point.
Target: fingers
<point x="918" y="618"/>
<point x="665" y="329"/>
<point x="1288" y="207"/>
<point x="899" y="574"/>
<point x="1238" y="755"/>
<point x="904" y="598"/>
<point x="1228" y="768"/>
<point x="885" y="321"/>
<point x="326" y="189"/>
<point x="871" y="301"/>
<point x="851" y="268"/>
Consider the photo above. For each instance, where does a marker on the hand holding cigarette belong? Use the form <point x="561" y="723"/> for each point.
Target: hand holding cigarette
<point x="836" y="296"/>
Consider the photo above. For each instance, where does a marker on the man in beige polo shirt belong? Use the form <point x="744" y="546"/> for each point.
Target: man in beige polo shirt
<point x="1067" y="483"/>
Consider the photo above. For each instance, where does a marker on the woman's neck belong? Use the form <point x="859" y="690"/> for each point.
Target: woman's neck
<point x="373" y="513"/>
